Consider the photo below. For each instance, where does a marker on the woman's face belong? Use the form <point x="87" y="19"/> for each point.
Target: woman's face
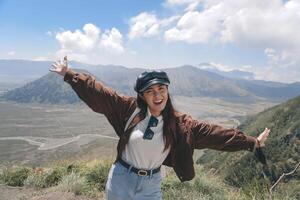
<point x="156" y="96"/>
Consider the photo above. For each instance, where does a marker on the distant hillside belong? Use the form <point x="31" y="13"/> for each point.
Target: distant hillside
<point x="185" y="80"/>
<point x="191" y="81"/>
<point x="269" y="89"/>
<point x="48" y="89"/>
<point x="282" y="148"/>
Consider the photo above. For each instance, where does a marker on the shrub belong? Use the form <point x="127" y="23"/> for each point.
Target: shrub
<point x="55" y="176"/>
<point x="97" y="175"/>
<point x="15" y="176"/>
<point x="43" y="178"/>
<point x="73" y="183"/>
<point x="202" y="187"/>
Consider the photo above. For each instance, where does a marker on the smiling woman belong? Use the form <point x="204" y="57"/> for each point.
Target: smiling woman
<point x="152" y="87"/>
<point x="151" y="133"/>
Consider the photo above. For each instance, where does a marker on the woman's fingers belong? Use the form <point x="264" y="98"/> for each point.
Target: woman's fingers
<point x="266" y="133"/>
<point x="53" y="68"/>
<point x="66" y="61"/>
<point x="60" y="66"/>
<point x="263" y="137"/>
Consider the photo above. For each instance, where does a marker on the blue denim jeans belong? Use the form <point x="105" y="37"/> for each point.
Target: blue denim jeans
<point x="125" y="185"/>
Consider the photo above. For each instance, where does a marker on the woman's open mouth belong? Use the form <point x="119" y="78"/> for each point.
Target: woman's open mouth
<point x="158" y="102"/>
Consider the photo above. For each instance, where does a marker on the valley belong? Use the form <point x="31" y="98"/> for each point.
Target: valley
<point x="39" y="133"/>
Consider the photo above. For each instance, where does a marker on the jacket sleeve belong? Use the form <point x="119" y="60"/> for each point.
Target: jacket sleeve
<point x="101" y="98"/>
<point x="213" y="136"/>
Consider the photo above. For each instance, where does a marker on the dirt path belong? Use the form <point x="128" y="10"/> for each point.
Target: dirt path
<point x="15" y="193"/>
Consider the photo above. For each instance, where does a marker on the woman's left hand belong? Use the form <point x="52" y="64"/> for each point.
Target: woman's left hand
<point x="262" y="138"/>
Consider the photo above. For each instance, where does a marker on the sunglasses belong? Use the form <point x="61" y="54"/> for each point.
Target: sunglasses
<point x="148" y="135"/>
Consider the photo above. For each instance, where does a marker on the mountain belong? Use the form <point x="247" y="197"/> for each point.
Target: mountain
<point x="282" y="148"/>
<point x="48" y="89"/>
<point x="191" y="81"/>
<point x="185" y="80"/>
<point x="270" y="90"/>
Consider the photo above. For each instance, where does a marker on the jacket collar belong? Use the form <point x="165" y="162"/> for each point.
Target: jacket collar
<point x="139" y="117"/>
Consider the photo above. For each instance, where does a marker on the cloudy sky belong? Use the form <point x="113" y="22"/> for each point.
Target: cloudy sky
<point x="259" y="36"/>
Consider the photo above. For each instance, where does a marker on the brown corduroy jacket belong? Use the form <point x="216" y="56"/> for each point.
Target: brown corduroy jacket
<point x="191" y="133"/>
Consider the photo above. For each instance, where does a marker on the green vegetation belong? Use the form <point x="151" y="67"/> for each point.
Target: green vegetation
<point x="75" y="183"/>
<point x="241" y="169"/>
<point x="89" y="178"/>
<point x="14" y="176"/>
<point x="43" y="178"/>
<point x="204" y="186"/>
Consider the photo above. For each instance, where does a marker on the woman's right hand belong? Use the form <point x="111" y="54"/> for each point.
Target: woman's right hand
<point x="60" y="67"/>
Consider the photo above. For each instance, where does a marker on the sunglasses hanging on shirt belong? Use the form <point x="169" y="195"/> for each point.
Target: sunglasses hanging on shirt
<point x="148" y="135"/>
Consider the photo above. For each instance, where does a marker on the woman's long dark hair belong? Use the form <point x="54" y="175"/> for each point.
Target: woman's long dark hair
<point x="168" y="114"/>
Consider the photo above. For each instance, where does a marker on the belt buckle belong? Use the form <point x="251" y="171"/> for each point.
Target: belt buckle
<point x="142" y="172"/>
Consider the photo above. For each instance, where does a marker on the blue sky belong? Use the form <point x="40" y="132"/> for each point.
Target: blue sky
<point x="259" y="36"/>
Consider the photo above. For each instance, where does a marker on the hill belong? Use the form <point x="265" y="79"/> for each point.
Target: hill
<point x="186" y="81"/>
<point x="282" y="149"/>
<point x="47" y="89"/>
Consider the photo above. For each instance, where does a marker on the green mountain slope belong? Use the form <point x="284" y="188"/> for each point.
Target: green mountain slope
<point x="282" y="148"/>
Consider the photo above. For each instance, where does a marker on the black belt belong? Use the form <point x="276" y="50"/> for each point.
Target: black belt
<point x="140" y="172"/>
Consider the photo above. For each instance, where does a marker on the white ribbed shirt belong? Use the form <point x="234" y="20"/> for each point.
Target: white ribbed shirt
<point x="142" y="153"/>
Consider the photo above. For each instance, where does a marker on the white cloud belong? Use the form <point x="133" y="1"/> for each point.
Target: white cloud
<point x="78" y="40"/>
<point x="143" y="25"/>
<point x="263" y="23"/>
<point x="112" y="41"/>
<point x="255" y="23"/>
<point x="11" y="53"/>
<point x="147" y="25"/>
<point x="225" y="68"/>
<point x="89" y="43"/>
<point x="282" y="66"/>
<point x="196" y="27"/>
<point x="269" y="25"/>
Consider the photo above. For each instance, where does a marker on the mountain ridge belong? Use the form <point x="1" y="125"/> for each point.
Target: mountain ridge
<point x="186" y="80"/>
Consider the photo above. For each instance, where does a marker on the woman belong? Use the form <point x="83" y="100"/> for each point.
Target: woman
<point x="151" y="133"/>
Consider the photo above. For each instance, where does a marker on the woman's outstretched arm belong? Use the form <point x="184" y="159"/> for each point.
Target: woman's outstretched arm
<point x="97" y="96"/>
<point x="213" y="136"/>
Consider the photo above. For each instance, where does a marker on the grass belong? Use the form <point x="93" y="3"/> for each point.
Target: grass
<point x="74" y="183"/>
<point x="89" y="178"/>
<point x="203" y="186"/>
<point x="14" y="176"/>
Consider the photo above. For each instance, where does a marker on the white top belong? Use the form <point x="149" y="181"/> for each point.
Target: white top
<point x="142" y="153"/>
